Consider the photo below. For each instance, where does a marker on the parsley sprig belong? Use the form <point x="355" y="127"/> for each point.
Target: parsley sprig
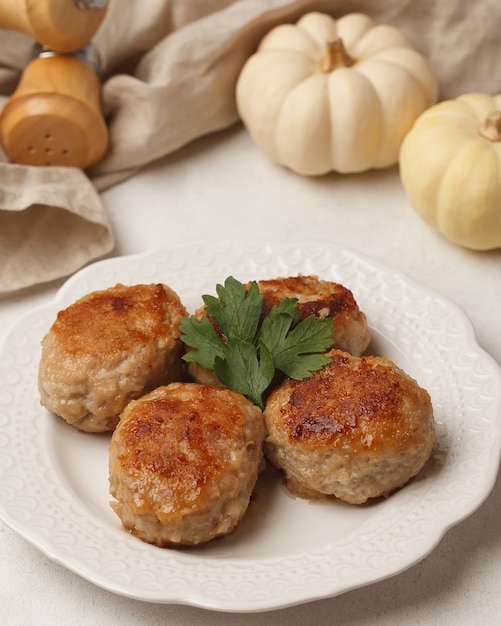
<point x="246" y="358"/>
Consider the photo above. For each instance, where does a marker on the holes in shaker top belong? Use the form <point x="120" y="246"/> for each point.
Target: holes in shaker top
<point x="53" y="153"/>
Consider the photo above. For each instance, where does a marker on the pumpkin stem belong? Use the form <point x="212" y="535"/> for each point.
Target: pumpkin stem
<point x="335" y="56"/>
<point x="491" y="126"/>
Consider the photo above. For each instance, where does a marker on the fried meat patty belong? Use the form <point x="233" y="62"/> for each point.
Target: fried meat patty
<point x="322" y="299"/>
<point x="316" y="297"/>
<point x="357" y="429"/>
<point x="107" y="348"/>
<point x="184" y="460"/>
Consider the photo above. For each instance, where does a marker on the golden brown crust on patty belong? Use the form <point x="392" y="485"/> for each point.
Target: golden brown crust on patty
<point x="357" y="429"/>
<point x="183" y="463"/>
<point x="109" y="347"/>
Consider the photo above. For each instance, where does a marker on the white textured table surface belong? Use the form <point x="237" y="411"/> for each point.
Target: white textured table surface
<point x="221" y="186"/>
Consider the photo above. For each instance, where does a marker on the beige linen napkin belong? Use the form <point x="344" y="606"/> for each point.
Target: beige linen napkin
<point x="170" y="68"/>
<point x="46" y="231"/>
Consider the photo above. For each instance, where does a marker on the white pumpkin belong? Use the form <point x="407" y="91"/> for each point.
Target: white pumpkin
<point x="450" y="167"/>
<point x="325" y="94"/>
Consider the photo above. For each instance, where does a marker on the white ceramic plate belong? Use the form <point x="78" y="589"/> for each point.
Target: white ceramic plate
<point x="54" y="479"/>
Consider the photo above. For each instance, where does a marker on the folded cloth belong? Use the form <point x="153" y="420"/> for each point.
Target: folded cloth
<point x="47" y="230"/>
<point x="170" y="69"/>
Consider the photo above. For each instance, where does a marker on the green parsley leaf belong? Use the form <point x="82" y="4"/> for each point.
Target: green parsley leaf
<point x="202" y="336"/>
<point x="278" y="323"/>
<point x="299" y="353"/>
<point x="246" y="356"/>
<point x="236" y="312"/>
<point x="245" y="370"/>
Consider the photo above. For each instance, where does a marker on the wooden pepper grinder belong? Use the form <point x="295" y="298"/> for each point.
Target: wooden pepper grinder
<point x="60" y="25"/>
<point x="54" y="117"/>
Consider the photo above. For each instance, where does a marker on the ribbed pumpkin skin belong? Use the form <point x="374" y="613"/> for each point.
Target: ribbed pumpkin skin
<point x="313" y="118"/>
<point x="452" y="173"/>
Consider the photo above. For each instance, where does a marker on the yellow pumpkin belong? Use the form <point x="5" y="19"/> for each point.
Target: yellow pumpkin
<point x="450" y="167"/>
<point x="325" y="94"/>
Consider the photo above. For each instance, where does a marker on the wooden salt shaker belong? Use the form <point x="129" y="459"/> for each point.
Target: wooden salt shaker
<point x="54" y="117"/>
<point x="60" y="25"/>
